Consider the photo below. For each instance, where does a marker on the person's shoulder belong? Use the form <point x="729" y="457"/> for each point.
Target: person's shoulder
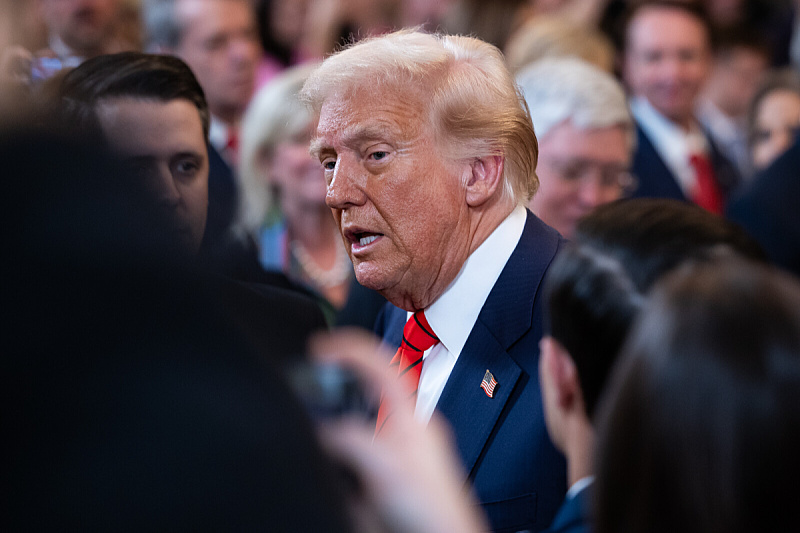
<point x="540" y="239"/>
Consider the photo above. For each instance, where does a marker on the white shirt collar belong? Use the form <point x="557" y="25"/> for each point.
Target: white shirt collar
<point x="218" y="134"/>
<point x="64" y="52"/>
<point x="454" y="313"/>
<point x="578" y="486"/>
<point x="673" y="143"/>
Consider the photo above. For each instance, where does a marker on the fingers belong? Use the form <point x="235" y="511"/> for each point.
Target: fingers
<point x="365" y="355"/>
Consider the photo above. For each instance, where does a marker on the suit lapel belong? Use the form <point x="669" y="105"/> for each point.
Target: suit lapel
<point x="655" y="178"/>
<point x="505" y="317"/>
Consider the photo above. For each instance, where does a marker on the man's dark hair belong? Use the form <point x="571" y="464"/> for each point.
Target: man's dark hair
<point x="597" y="285"/>
<point x="699" y="432"/>
<point x="130" y="75"/>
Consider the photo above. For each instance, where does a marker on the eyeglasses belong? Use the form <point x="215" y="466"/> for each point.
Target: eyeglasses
<point x="577" y="172"/>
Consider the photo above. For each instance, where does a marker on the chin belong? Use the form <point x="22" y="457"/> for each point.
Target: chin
<point x="367" y="276"/>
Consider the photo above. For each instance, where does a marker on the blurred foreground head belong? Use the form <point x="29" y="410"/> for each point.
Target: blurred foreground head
<point x="700" y="431"/>
<point x="600" y="282"/>
<point x="133" y="404"/>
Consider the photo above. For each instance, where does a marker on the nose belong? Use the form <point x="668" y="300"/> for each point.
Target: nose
<point x="242" y="49"/>
<point x="166" y="191"/>
<point x="592" y="193"/>
<point x="346" y="187"/>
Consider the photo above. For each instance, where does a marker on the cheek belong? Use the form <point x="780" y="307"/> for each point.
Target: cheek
<point x="762" y="152"/>
<point x="195" y="196"/>
<point x="552" y="195"/>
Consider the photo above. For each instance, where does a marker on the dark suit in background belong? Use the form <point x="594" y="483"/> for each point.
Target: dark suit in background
<point x="655" y="180"/>
<point x="769" y="209"/>
<point x="519" y="477"/>
<point x="575" y="514"/>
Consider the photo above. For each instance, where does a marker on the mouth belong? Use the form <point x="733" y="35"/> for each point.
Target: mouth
<point x="361" y="239"/>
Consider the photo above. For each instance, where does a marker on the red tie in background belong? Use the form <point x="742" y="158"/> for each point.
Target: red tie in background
<point x="706" y="193"/>
<point x="232" y="147"/>
<point x="417" y="337"/>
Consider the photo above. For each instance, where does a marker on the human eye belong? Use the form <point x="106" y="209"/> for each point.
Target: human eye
<point x="186" y="168"/>
<point x="378" y="154"/>
<point x="139" y="169"/>
<point x="761" y="136"/>
<point x="214" y="43"/>
<point x="571" y="171"/>
<point x="689" y="55"/>
<point x="329" y="164"/>
<point x="653" y="56"/>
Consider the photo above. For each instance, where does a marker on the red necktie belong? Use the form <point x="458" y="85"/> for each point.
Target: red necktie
<point x="232" y="147"/>
<point x="417" y="337"/>
<point x="706" y="193"/>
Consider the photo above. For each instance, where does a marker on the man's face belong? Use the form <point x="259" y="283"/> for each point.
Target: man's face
<point x="737" y="77"/>
<point x="667" y="60"/>
<point x="399" y="203"/>
<point x="776" y="120"/>
<point x="578" y="171"/>
<point x="220" y="43"/>
<point x="164" y="144"/>
<point x="86" y="26"/>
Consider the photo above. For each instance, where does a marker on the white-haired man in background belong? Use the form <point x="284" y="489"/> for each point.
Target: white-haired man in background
<point x="586" y="139"/>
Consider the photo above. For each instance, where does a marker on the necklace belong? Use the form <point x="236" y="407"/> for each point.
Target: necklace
<point x="323" y="278"/>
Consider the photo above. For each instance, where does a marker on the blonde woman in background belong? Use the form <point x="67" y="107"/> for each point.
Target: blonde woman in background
<point x="283" y="201"/>
<point x="547" y="36"/>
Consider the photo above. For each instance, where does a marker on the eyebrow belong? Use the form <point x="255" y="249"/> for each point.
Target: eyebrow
<point x="352" y="135"/>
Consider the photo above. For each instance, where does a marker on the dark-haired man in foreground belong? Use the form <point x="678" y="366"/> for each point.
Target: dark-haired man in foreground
<point x="153" y="114"/>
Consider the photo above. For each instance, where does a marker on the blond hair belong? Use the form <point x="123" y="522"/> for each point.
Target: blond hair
<point x="275" y="114"/>
<point x="471" y="99"/>
<point x="553" y="36"/>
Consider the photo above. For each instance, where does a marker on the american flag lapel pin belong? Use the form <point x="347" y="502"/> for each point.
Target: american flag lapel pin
<point x="488" y="384"/>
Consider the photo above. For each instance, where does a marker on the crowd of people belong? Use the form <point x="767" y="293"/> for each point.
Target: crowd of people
<point x="572" y="229"/>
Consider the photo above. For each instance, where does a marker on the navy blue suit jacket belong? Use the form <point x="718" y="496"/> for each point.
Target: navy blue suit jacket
<point x="769" y="209"/>
<point x="222" y="198"/>
<point x="657" y="181"/>
<point x="574" y="515"/>
<point x="519" y="477"/>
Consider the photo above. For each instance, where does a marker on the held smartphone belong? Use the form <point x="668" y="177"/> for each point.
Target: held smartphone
<point x="43" y="68"/>
<point x="330" y="391"/>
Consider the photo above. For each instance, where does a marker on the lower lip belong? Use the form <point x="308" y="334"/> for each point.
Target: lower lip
<point x="356" y="247"/>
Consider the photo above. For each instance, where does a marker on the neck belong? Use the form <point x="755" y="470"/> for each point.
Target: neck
<point x="483" y="221"/>
<point x="578" y="450"/>
<point x="229" y="115"/>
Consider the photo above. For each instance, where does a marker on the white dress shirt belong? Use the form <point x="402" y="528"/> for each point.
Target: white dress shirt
<point x="674" y="144"/>
<point x="454" y="313"/>
<point x="218" y="134"/>
<point x="728" y="134"/>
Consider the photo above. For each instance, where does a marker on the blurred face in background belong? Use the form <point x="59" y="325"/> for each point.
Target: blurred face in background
<point x="667" y="60"/>
<point x="297" y="176"/>
<point x="578" y="171"/>
<point x="776" y="120"/>
<point x="735" y="78"/>
<point x="219" y="41"/>
<point x="86" y="26"/>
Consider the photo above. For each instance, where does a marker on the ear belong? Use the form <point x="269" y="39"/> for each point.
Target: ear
<point x="485" y="177"/>
<point x="562" y="373"/>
